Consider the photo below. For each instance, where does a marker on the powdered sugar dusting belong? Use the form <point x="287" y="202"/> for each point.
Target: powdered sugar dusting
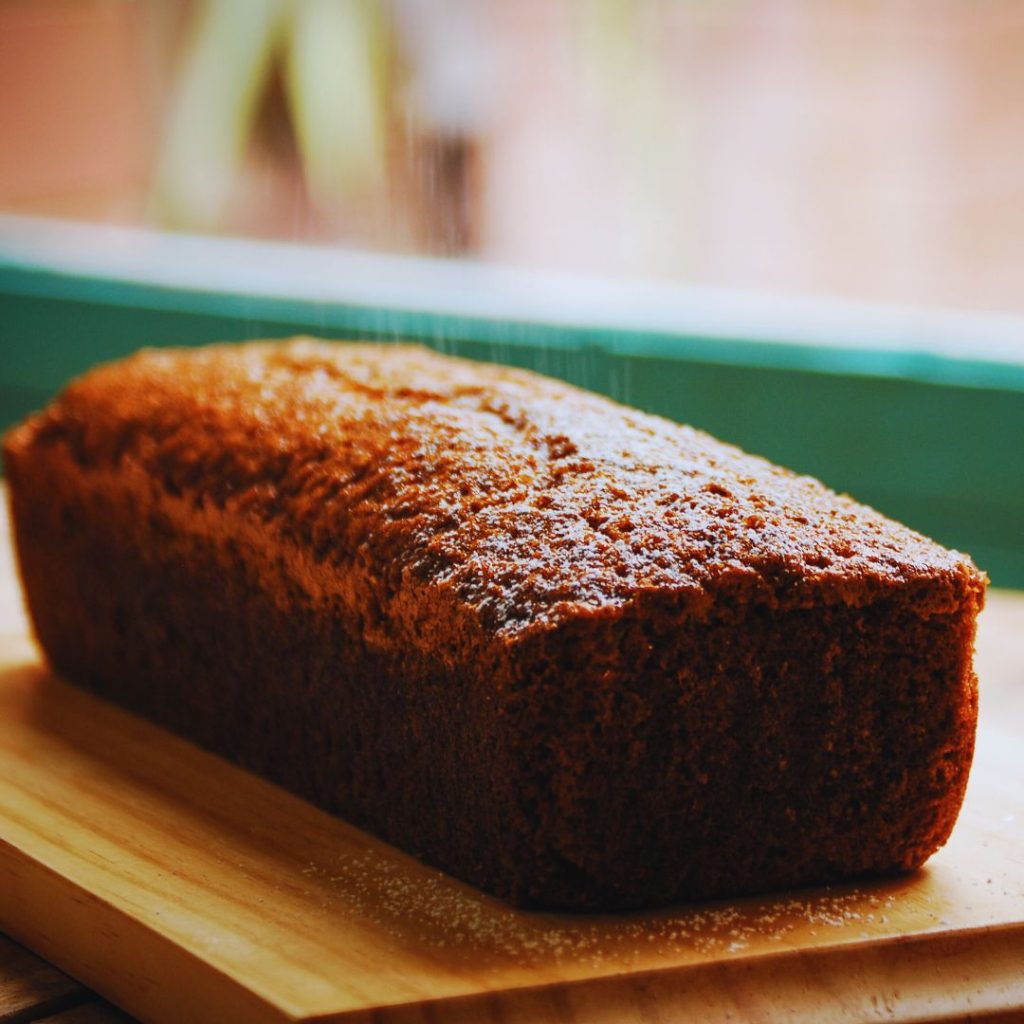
<point x="427" y="912"/>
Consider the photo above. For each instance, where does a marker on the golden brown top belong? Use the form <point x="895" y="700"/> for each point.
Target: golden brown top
<point x="527" y="498"/>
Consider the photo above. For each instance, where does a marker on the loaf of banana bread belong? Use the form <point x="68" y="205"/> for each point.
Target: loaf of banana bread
<point x="577" y="655"/>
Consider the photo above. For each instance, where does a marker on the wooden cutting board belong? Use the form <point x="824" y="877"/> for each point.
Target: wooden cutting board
<point x="184" y="889"/>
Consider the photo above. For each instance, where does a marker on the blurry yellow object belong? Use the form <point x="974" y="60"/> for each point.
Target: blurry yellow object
<point x="335" y="93"/>
<point x="331" y="52"/>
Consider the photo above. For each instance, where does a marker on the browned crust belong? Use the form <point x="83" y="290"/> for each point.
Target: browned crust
<point x="576" y="654"/>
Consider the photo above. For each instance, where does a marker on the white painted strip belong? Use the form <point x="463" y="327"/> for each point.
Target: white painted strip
<point x="329" y="275"/>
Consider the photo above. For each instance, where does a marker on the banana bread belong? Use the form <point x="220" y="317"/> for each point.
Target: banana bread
<point x="577" y="655"/>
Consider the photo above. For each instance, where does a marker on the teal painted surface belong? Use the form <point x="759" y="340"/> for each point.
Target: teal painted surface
<point x="254" y="315"/>
<point x="938" y="443"/>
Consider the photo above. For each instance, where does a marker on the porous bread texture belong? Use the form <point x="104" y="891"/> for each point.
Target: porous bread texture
<point x="580" y="656"/>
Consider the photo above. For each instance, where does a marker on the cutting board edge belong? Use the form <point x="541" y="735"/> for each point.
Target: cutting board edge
<point x="58" y="905"/>
<point x="805" y="985"/>
<point x="56" y="916"/>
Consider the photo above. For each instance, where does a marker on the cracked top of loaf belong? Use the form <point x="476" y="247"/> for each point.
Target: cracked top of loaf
<point x="525" y="499"/>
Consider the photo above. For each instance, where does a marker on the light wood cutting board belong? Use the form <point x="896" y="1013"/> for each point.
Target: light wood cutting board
<point x="185" y="890"/>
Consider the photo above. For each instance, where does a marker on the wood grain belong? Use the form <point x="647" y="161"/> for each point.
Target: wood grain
<point x="35" y="992"/>
<point x="30" y="987"/>
<point x="93" y="1012"/>
<point x="184" y="889"/>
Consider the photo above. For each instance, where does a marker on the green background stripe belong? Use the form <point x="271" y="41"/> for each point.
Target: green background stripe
<point x="935" y="441"/>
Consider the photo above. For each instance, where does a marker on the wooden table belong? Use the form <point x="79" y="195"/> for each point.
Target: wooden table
<point x="33" y="990"/>
<point x="944" y="943"/>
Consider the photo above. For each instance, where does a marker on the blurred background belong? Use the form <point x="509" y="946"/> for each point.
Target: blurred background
<point x="853" y="147"/>
<point x="796" y="223"/>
